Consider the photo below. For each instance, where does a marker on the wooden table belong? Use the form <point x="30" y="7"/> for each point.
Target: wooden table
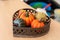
<point x="7" y="9"/>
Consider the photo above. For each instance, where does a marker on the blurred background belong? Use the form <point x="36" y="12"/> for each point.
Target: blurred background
<point x="52" y="11"/>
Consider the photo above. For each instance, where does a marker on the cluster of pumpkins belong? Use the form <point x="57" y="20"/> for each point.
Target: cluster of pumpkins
<point x="28" y="19"/>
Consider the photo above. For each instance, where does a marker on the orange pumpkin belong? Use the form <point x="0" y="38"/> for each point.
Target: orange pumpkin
<point x="21" y="13"/>
<point x="37" y="24"/>
<point x="27" y="17"/>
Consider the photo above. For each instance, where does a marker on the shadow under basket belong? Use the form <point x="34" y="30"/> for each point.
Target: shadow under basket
<point x="28" y="31"/>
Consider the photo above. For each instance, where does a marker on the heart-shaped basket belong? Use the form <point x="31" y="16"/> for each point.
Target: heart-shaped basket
<point x="28" y="31"/>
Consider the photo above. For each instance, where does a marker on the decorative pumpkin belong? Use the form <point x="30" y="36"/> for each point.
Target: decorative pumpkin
<point x="27" y="17"/>
<point x="41" y="16"/>
<point x="37" y="24"/>
<point x="19" y="22"/>
<point x="21" y="12"/>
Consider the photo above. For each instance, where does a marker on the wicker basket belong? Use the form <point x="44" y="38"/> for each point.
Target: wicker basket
<point x="28" y="31"/>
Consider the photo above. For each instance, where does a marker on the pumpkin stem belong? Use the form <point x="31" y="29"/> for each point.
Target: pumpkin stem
<point x="27" y="14"/>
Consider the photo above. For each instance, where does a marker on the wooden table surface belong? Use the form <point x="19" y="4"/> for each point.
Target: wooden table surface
<point x="7" y="9"/>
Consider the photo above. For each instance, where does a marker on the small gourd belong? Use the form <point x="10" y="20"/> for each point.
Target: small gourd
<point x="19" y="22"/>
<point x="41" y="16"/>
